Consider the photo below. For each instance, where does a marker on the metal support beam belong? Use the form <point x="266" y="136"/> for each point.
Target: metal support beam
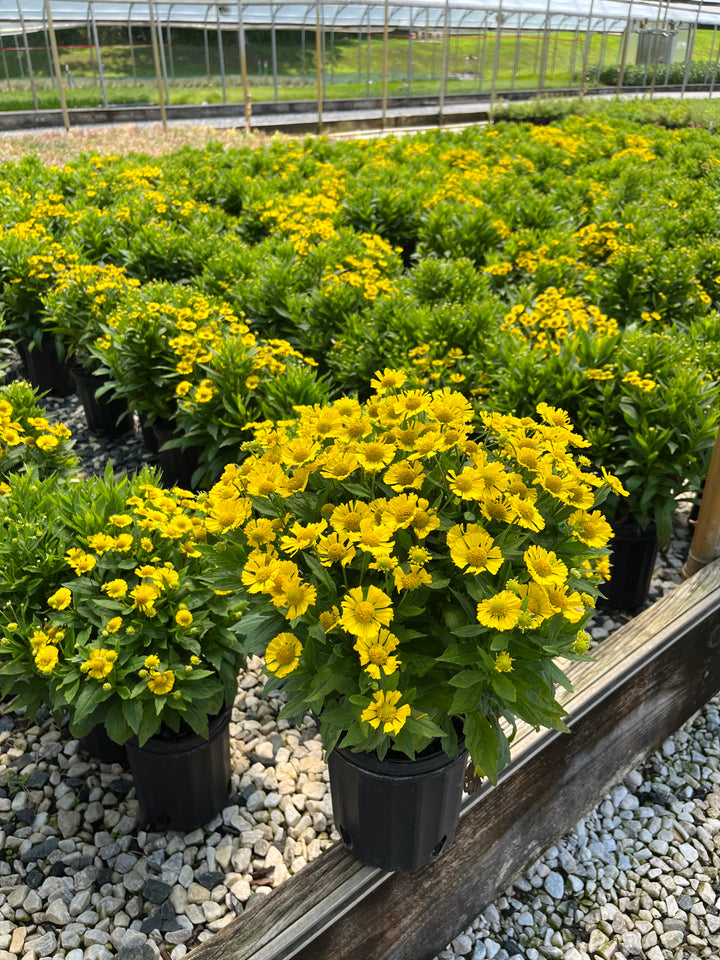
<point x="96" y="44"/>
<point x="243" y="65"/>
<point x="156" y="61"/>
<point x="28" y="57"/>
<point x="221" y="54"/>
<point x="444" y="63"/>
<point x="56" y="61"/>
<point x="319" y="66"/>
<point x="386" y="37"/>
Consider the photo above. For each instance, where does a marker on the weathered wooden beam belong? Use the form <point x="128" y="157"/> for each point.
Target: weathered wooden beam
<point x="647" y="679"/>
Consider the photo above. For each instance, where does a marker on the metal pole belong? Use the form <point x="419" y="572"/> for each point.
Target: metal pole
<point x="386" y="39"/>
<point x="588" y="40"/>
<point x="130" y="43"/>
<point x="158" y="73"/>
<point x="56" y="61"/>
<point x="656" y="38"/>
<point x="206" y="40"/>
<point x="332" y="53"/>
<point x="28" y="57"/>
<point x="101" y="72"/>
<point x="243" y="65"/>
<point x="91" y="49"/>
<point x="623" y="55"/>
<point x="496" y="53"/>
<point x="319" y="71"/>
<point x="410" y="53"/>
<point x="603" y="47"/>
<point x="221" y="54"/>
<point x="273" y="48"/>
<point x="444" y="64"/>
<point x="516" y="58"/>
<point x="369" y="54"/>
<point x="163" y="61"/>
<point x="544" y="50"/>
<point x="712" y="50"/>
<point x="171" y="58"/>
<point x="5" y="63"/>
<point x="573" y="53"/>
<point x="714" y="73"/>
<point x="481" y="71"/>
<point x="689" y="52"/>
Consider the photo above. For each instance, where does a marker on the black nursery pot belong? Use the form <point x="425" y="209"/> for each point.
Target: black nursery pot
<point x="99" y="745"/>
<point x="632" y="560"/>
<point x="105" y="415"/>
<point x="396" y="813"/>
<point x="183" y="780"/>
<point x="177" y="465"/>
<point x="46" y="372"/>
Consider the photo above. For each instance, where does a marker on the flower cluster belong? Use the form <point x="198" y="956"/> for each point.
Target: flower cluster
<point x="27" y="438"/>
<point x="401" y="572"/>
<point x="136" y="638"/>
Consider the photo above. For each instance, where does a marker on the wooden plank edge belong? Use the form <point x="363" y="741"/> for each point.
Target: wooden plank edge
<point x="330" y="909"/>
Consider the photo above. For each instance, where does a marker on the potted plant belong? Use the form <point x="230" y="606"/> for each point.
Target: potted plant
<point x="30" y="263"/>
<point x="73" y="311"/>
<point x="643" y="400"/>
<point x="413" y="583"/>
<point x="28" y="440"/>
<point x="135" y="641"/>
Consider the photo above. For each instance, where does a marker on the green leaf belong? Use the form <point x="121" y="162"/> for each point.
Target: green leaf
<point x="503" y="687"/>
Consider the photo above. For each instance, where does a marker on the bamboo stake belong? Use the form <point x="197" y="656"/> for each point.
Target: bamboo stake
<point x="705" y="545"/>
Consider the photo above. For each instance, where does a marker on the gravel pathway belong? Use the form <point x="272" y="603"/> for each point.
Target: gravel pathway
<point x="81" y="879"/>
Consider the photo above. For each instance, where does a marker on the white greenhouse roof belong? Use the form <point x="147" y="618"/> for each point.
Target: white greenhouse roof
<point x="597" y="14"/>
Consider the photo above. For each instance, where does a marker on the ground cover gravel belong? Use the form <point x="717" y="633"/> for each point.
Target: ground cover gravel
<point x="82" y="879"/>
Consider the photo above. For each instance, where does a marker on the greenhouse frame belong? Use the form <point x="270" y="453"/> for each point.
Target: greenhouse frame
<point x="595" y="33"/>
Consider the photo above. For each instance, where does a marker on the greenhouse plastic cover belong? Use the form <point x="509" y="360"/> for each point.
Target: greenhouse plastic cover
<point x="597" y="14"/>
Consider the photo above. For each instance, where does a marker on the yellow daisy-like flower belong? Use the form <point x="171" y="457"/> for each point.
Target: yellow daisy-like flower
<point x="591" y="528"/>
<point x="383" y="709"/>
<point x="183" y="618"/>
<point x="363" y="614"/>
<point x="114" y="624"/>
<point x="500" y="612"/>
<point x="79" y="560"/>
<point x="374" y="456"/>
<point x="115" y="589"/>
<point x="388" y="380"/>
<point x="46" y="658"/>
<point x="376" y="654"/>
<point x="335" y="549"/>
<point x="283" y="654"/>
<point x="329" y="619"/>
<point x="473" y="549"/>
<point x="120" y="520"/>
<point x="405" y="475"/>
<point x="161" y="683"/>
<point x="144" y="596"/>
<point x="545" y="566"/>
<point x="296" y="595"/>
<point x="61" y="599"/>
<point x="152" y="662"/>
<point x="99" y="663"/>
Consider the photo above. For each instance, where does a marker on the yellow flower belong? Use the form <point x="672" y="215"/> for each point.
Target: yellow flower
<point x="115" y="589"/>
<point x="80" y="561"/>
<point x="473" y="549"/>
<point x="383" y="709"/>
<point x="329" y="619"/>
<point x="376" y="654"/>
<point x="545" y="567"/>
<point x="99" y="663"/>
<point x="47" y="442"/>
<point x="61" y="599"/>
<point x="591" y="528"/>
<point x="500" y="612"/>
<point x="161" y="683"/>
<point x="183" y="618"/>
<point x="373" y="456"/>
<point x="283" y="654"/>
<point x="363" y="614"/>
<point x="46" y="658"/>
<point x="145" y="595"/>
<point x="296" y="595"/>
<point x="581" y="643"/>
<point x="114" y="624"/>
<point x="152" y="662"/>
<point x="335" y="549"/>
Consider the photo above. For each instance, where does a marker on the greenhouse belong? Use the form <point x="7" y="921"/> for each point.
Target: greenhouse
<point x="113" y="53"/>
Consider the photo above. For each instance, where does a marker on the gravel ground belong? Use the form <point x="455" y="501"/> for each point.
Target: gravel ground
<point x="82" y="879"/>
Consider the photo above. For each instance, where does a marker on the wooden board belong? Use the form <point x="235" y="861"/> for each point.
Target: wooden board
<point x="647" y="679"/>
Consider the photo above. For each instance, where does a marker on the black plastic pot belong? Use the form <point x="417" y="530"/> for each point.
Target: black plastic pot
<point x="177" y="465"/>
<point x="632" y="560"/>
<point x="396" y="813"/>
<point x="99" y="745"/>
<point x="183" y="780"/>
<point x="44" y="368"/>
<point x="104" y="414"/>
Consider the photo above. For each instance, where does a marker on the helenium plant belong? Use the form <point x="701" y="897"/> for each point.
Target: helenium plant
<point x="407" y="570"/>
